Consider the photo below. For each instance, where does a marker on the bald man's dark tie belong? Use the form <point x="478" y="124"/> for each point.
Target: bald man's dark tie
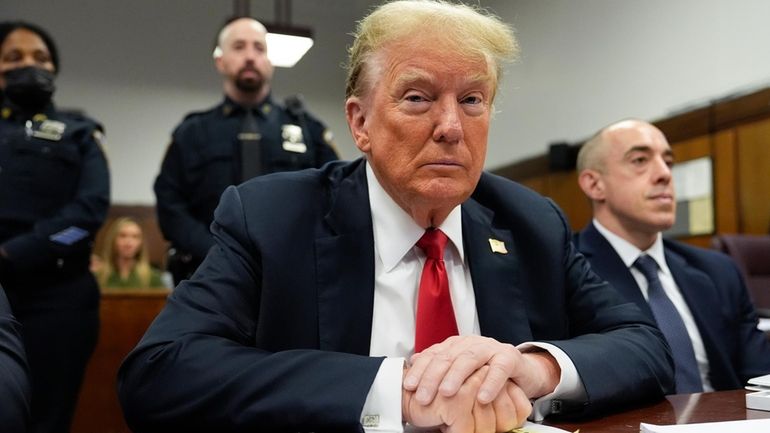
<point x="251" y="150"/>
<point x="670" y="323"/>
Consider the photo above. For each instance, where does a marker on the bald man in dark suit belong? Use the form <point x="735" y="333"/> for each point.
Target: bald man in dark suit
<point x="625" y="169"/>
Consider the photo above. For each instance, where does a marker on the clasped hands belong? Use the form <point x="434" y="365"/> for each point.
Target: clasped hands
<point x="475" y="384"/>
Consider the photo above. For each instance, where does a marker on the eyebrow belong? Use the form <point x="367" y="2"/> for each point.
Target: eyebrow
<point x="417" y="76"/>
<point x="410" y="77"/>
<point x="247" y="40"/>
<point x="646" y="149"/>
<point x="34" y="51"/>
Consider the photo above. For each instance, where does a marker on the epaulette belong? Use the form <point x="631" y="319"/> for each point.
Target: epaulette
<point x="78" y="115"/>
<point x="198" y="113"/>
<point x="192" y="114"/>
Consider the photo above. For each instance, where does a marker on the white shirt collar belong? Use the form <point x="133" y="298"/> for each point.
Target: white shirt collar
<point x="395" y="232"/>
<point x="628" y="252"/>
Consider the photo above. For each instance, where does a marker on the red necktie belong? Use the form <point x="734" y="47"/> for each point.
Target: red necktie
<point x="435" y="315"/>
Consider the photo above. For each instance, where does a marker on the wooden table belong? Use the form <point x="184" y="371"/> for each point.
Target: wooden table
<point x="675" y="409"/>
<point x="126" y="314"/>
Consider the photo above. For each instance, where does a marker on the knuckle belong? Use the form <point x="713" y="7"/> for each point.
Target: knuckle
<point x="443" y="357"/>
<point x="502" y="369"/>
<point x="468" y="353"/>
<point x="498" y="370"/>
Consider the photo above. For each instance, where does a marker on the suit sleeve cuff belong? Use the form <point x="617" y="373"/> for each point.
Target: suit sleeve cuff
<point x="382" y="409"/>
<point x="570" y="386"/>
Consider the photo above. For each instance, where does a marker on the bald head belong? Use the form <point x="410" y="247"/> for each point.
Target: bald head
<point x="238" y="24"/>
<point x="625" y="170"/>
<point x="593" y="153"/>
<point x="241" y="59"/>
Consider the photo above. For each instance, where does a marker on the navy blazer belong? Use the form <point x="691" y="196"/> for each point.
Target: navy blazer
<point x="273" y="330"/>
<point x="15" y="389"/>
<point x="716" y="294"/>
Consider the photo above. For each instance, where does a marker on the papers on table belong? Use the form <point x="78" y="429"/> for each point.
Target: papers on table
<point x="759" y="400"/>
<point x="761" y="382"/>
<point x="530" y="427"/>
<point x="749" y="425"/>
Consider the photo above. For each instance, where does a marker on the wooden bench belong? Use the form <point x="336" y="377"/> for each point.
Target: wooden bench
<point x="125" y="316"/>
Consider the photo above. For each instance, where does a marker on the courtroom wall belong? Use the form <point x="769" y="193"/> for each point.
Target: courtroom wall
<point x="139" y="66"/>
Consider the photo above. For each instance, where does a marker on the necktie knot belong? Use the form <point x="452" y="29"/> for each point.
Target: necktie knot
<point x="647" y="266"/>
<point x="432" y="243"/>
<point x="250" y="115"/>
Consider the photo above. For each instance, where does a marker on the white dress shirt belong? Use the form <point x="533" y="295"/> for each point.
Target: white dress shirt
<point x="629" y="253"/>
<point x="397" y="270"/>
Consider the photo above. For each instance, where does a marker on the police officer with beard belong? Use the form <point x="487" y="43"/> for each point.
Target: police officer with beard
<point x="54" y="195"/>
<point x="246" y="135"/>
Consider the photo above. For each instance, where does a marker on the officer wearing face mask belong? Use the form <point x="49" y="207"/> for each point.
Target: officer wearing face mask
<point x="54" y="195"/>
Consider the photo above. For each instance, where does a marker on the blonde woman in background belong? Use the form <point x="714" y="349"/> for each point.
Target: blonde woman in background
<point x="125" y="262"/>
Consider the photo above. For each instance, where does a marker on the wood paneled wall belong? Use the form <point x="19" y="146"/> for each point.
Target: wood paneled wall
<point x="734" y="132"/>
<point x="753" y="156"/>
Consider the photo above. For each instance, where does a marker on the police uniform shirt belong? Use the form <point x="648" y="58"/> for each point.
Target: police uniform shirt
<point x="204" y="158"/>
<point x="54" y="196"/>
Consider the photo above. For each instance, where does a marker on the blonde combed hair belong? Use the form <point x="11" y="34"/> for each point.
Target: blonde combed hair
<point x="469" y="30"/>
<point x="142" y="267"/>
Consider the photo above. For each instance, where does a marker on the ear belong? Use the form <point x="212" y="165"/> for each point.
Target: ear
<point x="355" y="113"/>
<point x="218" y="61"/>
<point x="592" y="184"/>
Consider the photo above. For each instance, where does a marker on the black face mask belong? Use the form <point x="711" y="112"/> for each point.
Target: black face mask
<point x="29" y="87"/>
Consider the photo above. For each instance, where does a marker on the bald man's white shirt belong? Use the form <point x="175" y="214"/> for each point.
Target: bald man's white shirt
<point x="628" y="253"/>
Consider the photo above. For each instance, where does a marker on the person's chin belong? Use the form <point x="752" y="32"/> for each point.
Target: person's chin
<point x="447" y="189"/>
<point x="248" y="85"/>
<point x="663" y="223"/>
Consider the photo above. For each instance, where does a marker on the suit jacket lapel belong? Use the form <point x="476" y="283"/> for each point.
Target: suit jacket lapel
<point x="345" y="267"/>
<point x="700" y="294"/>
<point x="499" y="300"/>
<point x="696" y="287"/>
<point x="608" y="264"/>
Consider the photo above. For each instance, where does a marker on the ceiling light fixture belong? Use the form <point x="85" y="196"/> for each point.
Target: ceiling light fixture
<point x="286" y="43"/>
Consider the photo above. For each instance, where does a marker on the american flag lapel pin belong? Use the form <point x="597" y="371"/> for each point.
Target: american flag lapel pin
<point x="497" y="246"/>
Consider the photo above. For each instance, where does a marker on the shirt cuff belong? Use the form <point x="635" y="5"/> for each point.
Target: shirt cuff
<point x="570" y="387"/>
<point x="382" y="409"/>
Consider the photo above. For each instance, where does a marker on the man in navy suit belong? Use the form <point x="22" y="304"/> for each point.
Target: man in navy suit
<point x="625" y="170"/>
<point x="305" y="312"/>
<point x="14" y="383"/>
